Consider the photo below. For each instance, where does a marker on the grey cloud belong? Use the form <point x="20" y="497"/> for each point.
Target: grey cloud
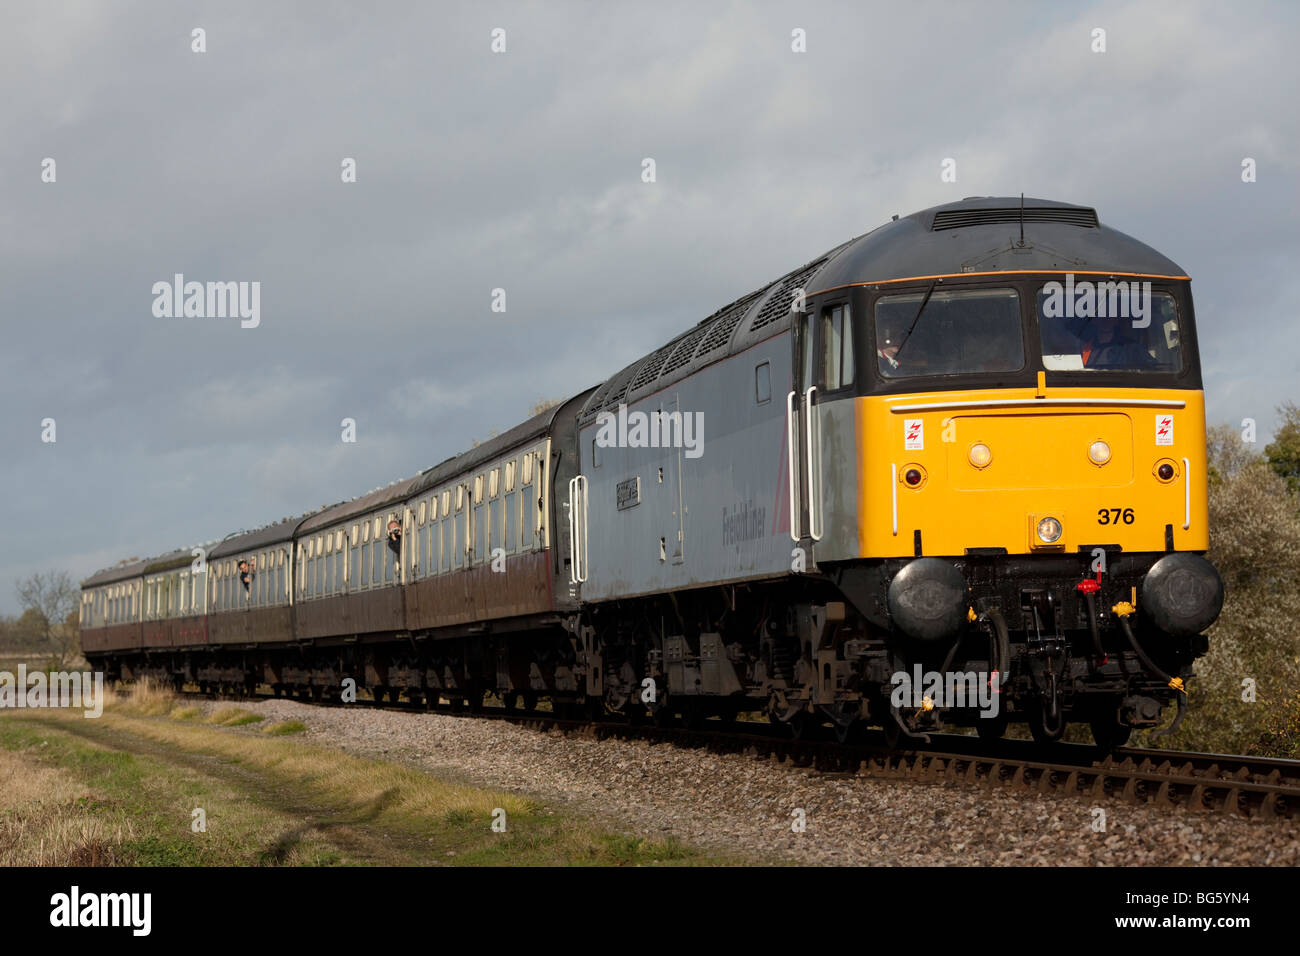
<point x="522" y="171"/>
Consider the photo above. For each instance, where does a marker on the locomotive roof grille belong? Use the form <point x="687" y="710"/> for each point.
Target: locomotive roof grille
<point x="1065" y="215"/>
<point x="618" y="388"/>
<point x="729" y="317"/>
<point x="684" y="352"/>
<point x="778" y="303"/>
<point x="649" y="370"/>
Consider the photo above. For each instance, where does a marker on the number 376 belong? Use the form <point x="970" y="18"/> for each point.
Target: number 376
<point x="1114" y="515"/>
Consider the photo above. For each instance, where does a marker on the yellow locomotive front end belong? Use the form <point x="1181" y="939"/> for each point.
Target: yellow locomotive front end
<point x="1033" y="471"/>
<point x="1032" y="497"/>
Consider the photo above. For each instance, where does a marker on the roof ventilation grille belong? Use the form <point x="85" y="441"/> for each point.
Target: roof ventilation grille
<point x="778" y="303"/>
<point x="1064" y="215"/>
<point x="728" y="318"/>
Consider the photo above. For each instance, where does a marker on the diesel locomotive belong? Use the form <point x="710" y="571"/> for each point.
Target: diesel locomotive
<point x="952" y="471"/>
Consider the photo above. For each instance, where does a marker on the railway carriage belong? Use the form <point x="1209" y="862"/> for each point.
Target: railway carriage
<point x="969" y="444"/>
<point x="110" y="611"/>
<point x="242" y="618"/>
<point x="465" y="594"/>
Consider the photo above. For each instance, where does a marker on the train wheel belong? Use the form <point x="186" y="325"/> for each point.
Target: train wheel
<point x="992" y="728"/>
<point x="1044" y="729"/>
<point x="846" y="732"/>
<point x="1108" y="733"/>
<point x="693" y="715"/>
<point x="530" y="700"/>
<point x="893" y="732"/>
<point x="844" y="720"/>
<point x="377" y="693"/>
<point x="510" y="700"/>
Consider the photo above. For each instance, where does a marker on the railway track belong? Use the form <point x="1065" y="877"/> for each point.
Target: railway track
<point x="1250" y="787"/>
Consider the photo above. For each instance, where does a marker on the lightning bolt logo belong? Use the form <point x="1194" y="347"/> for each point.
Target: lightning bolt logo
<point x="1164" y="429"/>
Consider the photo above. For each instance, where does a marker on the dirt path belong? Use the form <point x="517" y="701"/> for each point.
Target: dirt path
<point x="353" y="831"/>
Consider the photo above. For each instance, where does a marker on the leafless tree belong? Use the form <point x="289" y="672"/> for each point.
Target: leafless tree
<point x="52" y="597"/>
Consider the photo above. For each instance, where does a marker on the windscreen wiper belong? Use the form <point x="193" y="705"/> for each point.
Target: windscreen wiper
<point x="903" y="344"/>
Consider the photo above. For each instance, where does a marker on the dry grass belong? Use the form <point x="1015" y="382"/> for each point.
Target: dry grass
<point x="284" y="727"/>
<point x="233" y="717"/>
<point x="269" y="800"/>
<point x="46" y="819"/>
<point x="335" y="776"/>
<point x="147" y="699"/>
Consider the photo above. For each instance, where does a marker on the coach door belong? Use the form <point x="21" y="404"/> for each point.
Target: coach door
<point x="802" y="436"/>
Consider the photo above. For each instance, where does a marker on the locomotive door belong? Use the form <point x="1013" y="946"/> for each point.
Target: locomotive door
<point x="677" y="533"/>
<point x="802" y="435"/>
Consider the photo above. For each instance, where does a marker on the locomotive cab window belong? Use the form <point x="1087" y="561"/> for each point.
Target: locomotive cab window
<point x="1108" y="326"/>
<point x="835" y="348"/>
<point x="949" y="333"/>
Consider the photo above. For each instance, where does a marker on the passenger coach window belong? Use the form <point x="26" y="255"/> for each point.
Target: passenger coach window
<point x="1108" y="327"/>
<point x="949" y="333"/>
<point x="355" y="563"/>
<point x="448" y="540"/>
<point x="482" y="522"/>
<point x="836" y="348"/>
<point x="389" y="561"/>
<point x="512" y="504"/>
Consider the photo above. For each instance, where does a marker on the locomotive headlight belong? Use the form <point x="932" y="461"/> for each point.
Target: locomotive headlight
<point x="1099" y="452"/>
<point x="1049" y="530"/>
<point x="980" y="455"/>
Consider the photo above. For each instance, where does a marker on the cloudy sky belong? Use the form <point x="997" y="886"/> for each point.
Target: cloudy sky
<point x="521" y="170"/>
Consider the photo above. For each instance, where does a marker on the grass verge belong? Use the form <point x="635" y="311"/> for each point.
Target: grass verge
<point x="150" y="784"/>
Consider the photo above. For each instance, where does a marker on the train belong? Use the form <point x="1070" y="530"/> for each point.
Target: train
<point x="950" y="473"/>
